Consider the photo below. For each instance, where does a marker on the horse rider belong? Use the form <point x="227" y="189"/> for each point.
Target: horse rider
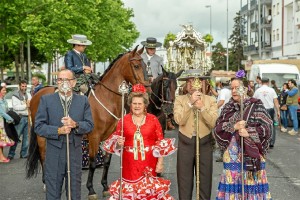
<point x="52" y="123"/>
<point x="77" y="61"/>
<point x="154" y="64"/>
<point x="153" y="61"/>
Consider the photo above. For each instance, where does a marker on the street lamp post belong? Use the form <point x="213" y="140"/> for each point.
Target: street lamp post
<point x="227" y="56"/>
<point x="210" y="20"/>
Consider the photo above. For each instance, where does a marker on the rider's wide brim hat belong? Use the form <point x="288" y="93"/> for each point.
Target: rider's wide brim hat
<point x="151" y="43"/>
<point x="80" y="40"/>
<point x="192" y="73"/>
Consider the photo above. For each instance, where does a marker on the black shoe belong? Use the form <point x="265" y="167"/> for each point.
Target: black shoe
<point x="271" y="146"/>
<point x="10" y="157"/>
<point x="23" y="156"/>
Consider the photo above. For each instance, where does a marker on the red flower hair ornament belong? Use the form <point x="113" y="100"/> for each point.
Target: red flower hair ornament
<point x="139" y="88"/>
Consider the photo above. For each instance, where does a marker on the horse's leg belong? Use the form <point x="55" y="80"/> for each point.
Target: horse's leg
<point x="89" y="183"/>
<point x="107" y="159"/>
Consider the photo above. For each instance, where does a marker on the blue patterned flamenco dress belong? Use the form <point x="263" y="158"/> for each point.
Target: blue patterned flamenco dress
<point x="256" y="185"/>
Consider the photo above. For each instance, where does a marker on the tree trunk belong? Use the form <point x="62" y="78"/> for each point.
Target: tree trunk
<point x="49" y="81"/>
<point x="22" y="60"/>
<point x="17" y="65"/>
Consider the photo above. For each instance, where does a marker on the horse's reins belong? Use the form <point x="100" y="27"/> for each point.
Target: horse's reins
<point x="160" y="99"/>
<point x="93" y="93"/>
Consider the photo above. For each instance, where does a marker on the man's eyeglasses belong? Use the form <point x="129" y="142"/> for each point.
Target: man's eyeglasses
<point x="64" y="79"/>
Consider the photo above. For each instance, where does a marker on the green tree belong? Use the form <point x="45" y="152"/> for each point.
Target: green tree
<point x="208" y="38"/>
<point x="237" y="44"/>
<point x="49" y="23"/>
<point x="219" y="56"/>
<point x="169" y="37"/>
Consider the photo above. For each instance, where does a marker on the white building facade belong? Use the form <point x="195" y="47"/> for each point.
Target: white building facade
<point x="271" y="29"/>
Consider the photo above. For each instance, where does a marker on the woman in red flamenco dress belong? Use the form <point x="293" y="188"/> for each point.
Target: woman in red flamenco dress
<point x="143" y="150"/>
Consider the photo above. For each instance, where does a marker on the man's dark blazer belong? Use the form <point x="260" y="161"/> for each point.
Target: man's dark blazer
<point x="49" y="115"/>
<point x="75" y="62"/>
<point x="47" y="121"/>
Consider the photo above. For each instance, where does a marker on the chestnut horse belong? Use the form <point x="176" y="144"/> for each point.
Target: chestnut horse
<point x="105" y="104"/>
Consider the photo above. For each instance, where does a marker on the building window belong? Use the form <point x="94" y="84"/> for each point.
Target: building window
<point x="277" y="8"/>
<point x="277" y="34"/>
<point x="273" y="35"/>
<point x="274" y="10"/>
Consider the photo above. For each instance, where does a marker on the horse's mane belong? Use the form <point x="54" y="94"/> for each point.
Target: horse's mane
<point x="110" y="66"/>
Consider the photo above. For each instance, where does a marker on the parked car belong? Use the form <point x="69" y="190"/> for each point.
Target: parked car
<point x="10" y="91"/>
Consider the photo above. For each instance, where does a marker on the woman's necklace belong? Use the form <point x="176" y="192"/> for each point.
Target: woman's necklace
<point x="138" y="139"/>
<point x="141" y="123"/>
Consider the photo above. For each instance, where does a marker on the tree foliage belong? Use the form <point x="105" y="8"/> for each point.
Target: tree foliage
<point x="49" y="23"/>
<point x="219" y="56"/>
<point x="208" y="38"/>
<point x="237" y="43"/>
<point x="169" y="37"/>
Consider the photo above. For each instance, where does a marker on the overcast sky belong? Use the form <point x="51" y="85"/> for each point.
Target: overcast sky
<point x="156" y="18"/>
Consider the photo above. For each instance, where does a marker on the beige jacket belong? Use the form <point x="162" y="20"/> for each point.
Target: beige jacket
<point x="184" y="116"/>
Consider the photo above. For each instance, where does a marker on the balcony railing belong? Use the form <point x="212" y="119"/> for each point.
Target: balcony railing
<point x="244" y="9"/>
<point x="253" y="3"/>
<point x="267" y="2"/>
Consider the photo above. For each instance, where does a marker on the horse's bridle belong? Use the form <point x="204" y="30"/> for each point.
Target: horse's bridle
<point x="133" y="72"/>
<point x="162" y="100"/>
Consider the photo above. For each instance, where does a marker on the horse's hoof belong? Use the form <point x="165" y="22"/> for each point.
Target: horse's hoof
<point x="106" y="193"/>
<point x="93" y="197"/>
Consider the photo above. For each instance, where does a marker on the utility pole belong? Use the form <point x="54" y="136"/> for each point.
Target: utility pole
<point x="227" y="56"/>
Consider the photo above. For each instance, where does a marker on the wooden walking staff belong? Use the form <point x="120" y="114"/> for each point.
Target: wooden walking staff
<point x="241" y="92"/>
<point x="123" y="89"/>
<point x="197" y="85"/>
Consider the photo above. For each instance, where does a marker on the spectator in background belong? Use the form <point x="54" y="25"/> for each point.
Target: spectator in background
<point x="223" y="98"/>
<point x="274" y="86"/>
<point x="269" y="98"/>
<point x="36" y="85"/>
<point x="283" y="107"/>
<point x="258" y="83"/>
<point x="5" y="141"/>
<point x="292" y="102"/>
<point x="215" y="91"/>
<point x="251" y="88"/>
<point x="20" y="103"/>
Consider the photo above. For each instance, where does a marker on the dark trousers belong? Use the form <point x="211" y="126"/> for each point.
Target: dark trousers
<point x="186" y="166"/>
<point x="271" y="112"/>
<point x="56" y="171"/>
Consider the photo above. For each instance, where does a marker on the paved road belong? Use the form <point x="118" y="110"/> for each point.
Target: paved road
<point x="283" y="167"/>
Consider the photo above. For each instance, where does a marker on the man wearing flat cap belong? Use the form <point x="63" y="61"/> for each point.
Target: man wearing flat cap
<point x="77" y="61"/>
<point x="185" y="114"/>
<point x="269" y="98"/>
<point x="153" y="61"/>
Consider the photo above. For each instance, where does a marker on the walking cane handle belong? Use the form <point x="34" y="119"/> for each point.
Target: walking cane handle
<point x="123" y="88"/>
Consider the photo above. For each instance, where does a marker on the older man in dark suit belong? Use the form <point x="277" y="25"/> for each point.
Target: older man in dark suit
<point x="51" y="123"/>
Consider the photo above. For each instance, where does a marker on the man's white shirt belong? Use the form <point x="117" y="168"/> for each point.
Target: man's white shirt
<point x="224" y="94"/>
<point x="267" y="95"/>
